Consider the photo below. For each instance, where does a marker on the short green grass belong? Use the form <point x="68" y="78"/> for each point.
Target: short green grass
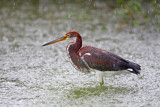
<point x="96" y="91"/>
<point x="89" y="91"/>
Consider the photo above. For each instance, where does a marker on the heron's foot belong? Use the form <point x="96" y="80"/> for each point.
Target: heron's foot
<point x="101" y="83"/>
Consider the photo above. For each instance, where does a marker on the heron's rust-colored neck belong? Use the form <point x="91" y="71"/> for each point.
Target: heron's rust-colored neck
<point x="72" y="50"/>
<point x="75" y="45"/>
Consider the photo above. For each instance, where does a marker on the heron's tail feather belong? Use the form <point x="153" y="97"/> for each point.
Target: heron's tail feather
<point x="134" y="68"/>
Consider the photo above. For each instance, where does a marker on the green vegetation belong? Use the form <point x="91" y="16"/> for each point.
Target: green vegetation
<point x="89" y="91"/>
<point x="128" y="12"/>
<point x="96" y="91"/>
<point x="159" y="23"/>
<point x="137" y="12"/>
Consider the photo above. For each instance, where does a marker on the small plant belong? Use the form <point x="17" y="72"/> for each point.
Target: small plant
<point x="135" y="12"/>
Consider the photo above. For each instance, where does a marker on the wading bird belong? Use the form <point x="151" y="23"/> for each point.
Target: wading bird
<point x="90" y="58"/>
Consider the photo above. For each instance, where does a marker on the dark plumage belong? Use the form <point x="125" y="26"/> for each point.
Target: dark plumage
<point x="106" y="61"/>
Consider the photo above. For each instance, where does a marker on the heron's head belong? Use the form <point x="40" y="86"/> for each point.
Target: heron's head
<point x="71" y="34"/>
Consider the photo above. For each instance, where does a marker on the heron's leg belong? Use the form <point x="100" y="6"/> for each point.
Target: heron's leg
<point x="100" y="77"/>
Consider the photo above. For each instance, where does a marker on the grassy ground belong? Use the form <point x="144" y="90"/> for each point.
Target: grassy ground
<point x="128" y="12"/>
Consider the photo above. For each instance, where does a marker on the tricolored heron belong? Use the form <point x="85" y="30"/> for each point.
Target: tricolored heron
<point x="90" y="58"/>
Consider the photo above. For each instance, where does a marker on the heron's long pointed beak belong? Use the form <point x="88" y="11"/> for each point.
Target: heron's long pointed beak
<point x="57" y="40"/>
